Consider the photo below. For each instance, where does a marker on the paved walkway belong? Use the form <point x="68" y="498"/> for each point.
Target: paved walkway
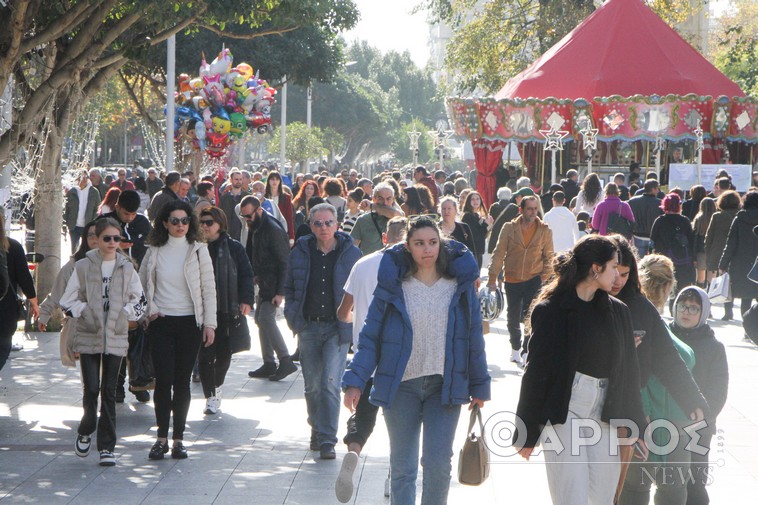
<point x="256" y="449"/>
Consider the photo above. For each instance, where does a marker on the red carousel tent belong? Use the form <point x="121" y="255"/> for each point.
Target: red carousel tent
<point x="623" y="48"/>
<point x="623" y="71"/>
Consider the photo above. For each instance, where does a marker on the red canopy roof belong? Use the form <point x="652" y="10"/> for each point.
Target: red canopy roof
<point x="623" y="48"/>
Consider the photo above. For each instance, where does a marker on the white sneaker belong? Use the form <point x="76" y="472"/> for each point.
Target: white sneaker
<point x="523" y="359"/>
<point x="211" y="406"/>
<point x="516" y="358"/>
<point x="218" y="398"/>
<point x="344" y="485"/>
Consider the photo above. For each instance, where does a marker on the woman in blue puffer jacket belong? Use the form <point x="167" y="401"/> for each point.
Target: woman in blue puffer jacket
<point x="426" y="361"/>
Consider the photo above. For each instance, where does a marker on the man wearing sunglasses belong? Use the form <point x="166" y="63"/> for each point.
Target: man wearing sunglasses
<point x="267" y="246"/>
<point x="319" y="266"/>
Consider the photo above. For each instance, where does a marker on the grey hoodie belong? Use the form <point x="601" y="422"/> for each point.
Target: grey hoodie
<point x="705" y="303"/>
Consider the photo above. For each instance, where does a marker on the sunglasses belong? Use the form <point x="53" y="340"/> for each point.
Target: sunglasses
<point x="323" y="224"/>
<point x="207" y="222"/>
<point x="176" y="220"/>
<point x="108" y="238"/>
<point x="247" y="216"/>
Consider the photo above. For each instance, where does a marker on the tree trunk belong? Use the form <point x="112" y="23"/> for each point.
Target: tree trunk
<point x="48" y="216"/>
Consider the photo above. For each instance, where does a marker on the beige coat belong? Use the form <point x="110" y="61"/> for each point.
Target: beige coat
<point x="198" y="271"/>
<point x="518" y="260"/>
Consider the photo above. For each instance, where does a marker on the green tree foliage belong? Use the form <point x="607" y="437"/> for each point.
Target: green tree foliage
<point x="401" y="143"/>
<point x="734" y="45"/>
<point x="495" y="40"/>
<point x="302" y="143"/>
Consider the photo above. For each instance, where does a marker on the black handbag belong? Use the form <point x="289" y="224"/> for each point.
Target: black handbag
<point x="239" y="335"/>
<point x="22" y="310"/>
<point x="619" y="224"/>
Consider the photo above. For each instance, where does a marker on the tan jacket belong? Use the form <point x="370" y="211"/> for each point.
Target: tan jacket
<point x="520" y="261"/>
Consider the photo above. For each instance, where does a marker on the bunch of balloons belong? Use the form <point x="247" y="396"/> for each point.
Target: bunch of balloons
<point x="217" y="107"/>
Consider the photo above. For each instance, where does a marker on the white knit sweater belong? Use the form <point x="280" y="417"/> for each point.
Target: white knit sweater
<point x="428" y="311"/>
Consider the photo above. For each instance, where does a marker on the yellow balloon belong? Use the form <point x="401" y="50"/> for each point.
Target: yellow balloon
<point x="245" y="70"/>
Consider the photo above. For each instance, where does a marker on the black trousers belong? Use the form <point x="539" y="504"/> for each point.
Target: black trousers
<point x="214" y="361"/>
<point x="361" y="425"/>
<point x="696" y="492"/>
<point x="8" y="324"/>
<point x="99" y="378"/>
<point x="174" y="341"/>
<point x="518" y="298"/>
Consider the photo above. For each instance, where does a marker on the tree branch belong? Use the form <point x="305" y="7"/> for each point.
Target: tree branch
<point x="137" y="102"/>
<point x="247" y="36"/>
<point x="164" y="35"/>
<point x="17" y="25"/>
<point x="67" y="22"/>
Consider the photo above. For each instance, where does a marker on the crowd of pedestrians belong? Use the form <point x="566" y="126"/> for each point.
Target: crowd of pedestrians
<point x="389" y="269"/>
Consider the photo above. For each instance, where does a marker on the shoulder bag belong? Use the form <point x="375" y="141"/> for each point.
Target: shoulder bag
<point x="474" y="460"/>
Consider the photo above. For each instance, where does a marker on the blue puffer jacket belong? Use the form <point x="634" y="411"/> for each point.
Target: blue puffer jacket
<point x="385" y="342"/>
<point x="298" y="274"/>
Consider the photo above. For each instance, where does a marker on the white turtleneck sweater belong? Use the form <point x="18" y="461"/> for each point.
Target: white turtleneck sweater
<point x="172" y="293"/>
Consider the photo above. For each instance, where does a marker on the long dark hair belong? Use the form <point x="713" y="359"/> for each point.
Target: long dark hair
<point x="275" y="174"/>
<point x="592" y="188"/>
<point x="627" y="258"/>
<point x="84" y="245"/>
<point x="441" y="263"/>
<point x="159" y="235"/>
<point x="574" y="266"/>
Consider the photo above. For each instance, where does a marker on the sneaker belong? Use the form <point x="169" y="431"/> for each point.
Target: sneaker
<point x="314" y="445"/>
<point x="286" y="367"/>
<point x="516" y="358"/>
<point x="211" y="406"/>
<point x="158" y="450"/>
<point x="107" y="458"/>
<point x="82" y="445"/>
<point x="263" y="372"/>
<point x="218" y="397"/>
<point x="142" y="396"/>
<point x="343" y="488"/>
<point x="178" y="451"/>
<point x="15" y="347"/>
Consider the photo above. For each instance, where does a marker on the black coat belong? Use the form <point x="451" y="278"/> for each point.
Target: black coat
<point x="740" y="253"/>
<point x="646" y="209"/>
<point x="3" y="272"/>
<point x="716" y="235"/>
<point x="510" y="213"/>
<point x="479" y="232"/>
<point x="269" y="256"/>
<point x="657" y="355"/>
<point x="462" y="233"/>
<point x="665" y="234"/>
<point x="18" y="277"/>
<point x="554" y="350"/>
<point x="570" y="188"/>
<point x="711" y="371"/>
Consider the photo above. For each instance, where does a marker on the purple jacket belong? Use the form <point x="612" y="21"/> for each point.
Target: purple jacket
<point x="611" y="205"/>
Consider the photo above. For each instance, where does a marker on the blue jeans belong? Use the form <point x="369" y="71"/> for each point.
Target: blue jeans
<point x="418" y="403"/>
<point x="322" y="359"/>
<point x="643" y="247"/>
<point x="76" y="235"/>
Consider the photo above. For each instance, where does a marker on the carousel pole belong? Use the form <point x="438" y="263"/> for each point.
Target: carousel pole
<point x="589" y="139"/>
<point x="699" y="145"/>
<point x="660" y="145"/>
<point x="553" y="143"/>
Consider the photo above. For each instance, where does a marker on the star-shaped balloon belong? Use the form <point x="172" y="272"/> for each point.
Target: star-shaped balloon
<point x="554" y="139"/>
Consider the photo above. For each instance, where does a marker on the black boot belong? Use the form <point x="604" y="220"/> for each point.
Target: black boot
<point x="264" y="372"/>
<point x="728" y="311"/>
<point x="286" y="367"/>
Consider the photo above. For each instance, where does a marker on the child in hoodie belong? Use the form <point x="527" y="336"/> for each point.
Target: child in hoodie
<point x="711" y="373"/>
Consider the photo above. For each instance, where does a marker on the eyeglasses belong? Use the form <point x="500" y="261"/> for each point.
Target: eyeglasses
<point x="247" y="216"/>
<point x="323" y="224"/>
<point x="176" y="220"/>
<point x="108" y="238"/>
<point x="207" y="222"/>
<point x="687" y="309"/>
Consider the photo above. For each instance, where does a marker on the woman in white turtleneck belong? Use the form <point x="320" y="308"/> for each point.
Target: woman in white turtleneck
<point x="177" y="274"/>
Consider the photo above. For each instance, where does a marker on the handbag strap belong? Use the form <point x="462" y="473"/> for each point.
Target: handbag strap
<point x="476" y="414"/>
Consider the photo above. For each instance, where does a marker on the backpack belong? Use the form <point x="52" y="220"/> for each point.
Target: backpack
<point x="680" y="248"/>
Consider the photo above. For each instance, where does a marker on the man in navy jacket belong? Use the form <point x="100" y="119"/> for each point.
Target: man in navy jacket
<point x="319" y="265"/>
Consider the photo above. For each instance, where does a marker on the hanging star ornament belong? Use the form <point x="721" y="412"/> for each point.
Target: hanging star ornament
<point x="554" y="139"/>
<point x="699" y="137"/>
<point x="414" y="136"/>
<point x="660" y="145"/>
<point x="589" y="137"/>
